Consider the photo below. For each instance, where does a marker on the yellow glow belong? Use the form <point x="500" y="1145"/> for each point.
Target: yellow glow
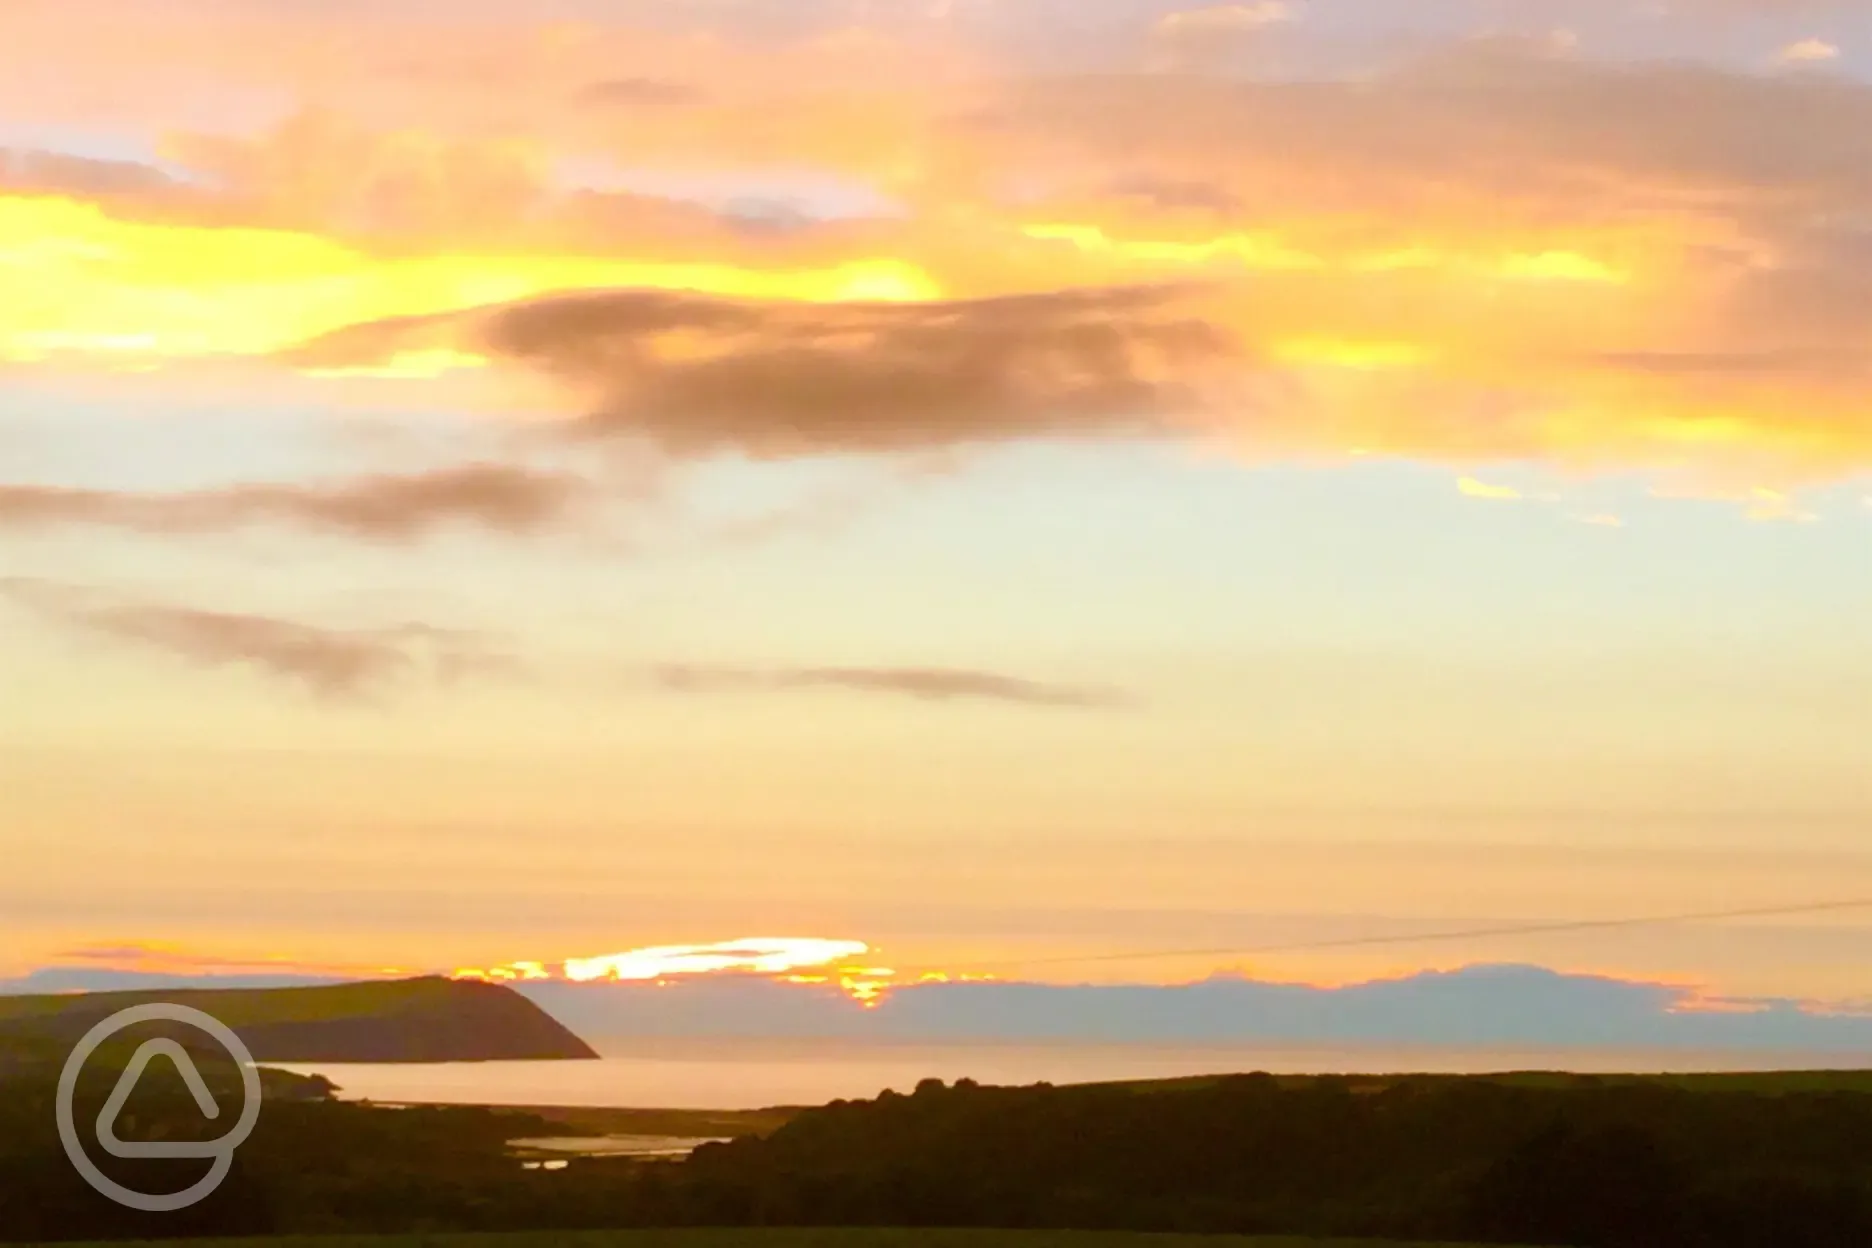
<point x="1759" y="503"/>
<point x="866" y="992"/>
<point x="1472" y="488"/>
<point x="1561" y="266"/>
<point x="516" y="971"/>
<point x="1264" y="249"/>
<point x="1257" y="250"/>
<point x="1767" y="506"/>
<point x="1541" y="266"/>
<point x="1401" y="258"/>
<point x="1349" y="354"/>
<point x="75" y="280"/>
<point x="429" y="362"/>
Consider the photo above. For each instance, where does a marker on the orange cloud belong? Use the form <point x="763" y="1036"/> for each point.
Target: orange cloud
<point x="1491" y="251"/>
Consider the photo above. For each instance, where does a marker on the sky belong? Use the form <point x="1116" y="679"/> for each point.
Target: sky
<point x="1001" y="483"/>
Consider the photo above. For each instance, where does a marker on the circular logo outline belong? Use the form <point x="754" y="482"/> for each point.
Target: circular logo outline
<point x="222" y="1150"/>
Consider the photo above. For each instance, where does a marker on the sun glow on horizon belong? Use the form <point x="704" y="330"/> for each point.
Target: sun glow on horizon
<point x="807" y="961"/>
<point x="761" y="955"/>
<point x="755" y="955"/>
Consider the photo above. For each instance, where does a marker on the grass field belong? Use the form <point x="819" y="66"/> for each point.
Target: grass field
<point x="838" y="1238"/>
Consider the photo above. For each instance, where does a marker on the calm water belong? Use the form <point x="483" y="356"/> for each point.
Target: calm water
<point x="750" y="1074"/>
<point x="611" y="1146"/>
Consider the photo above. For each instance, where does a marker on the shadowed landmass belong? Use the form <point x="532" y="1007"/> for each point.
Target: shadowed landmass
<point x="415" y="1020"/>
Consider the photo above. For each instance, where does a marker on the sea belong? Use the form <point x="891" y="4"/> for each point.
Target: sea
<point x="759" y="1073"/>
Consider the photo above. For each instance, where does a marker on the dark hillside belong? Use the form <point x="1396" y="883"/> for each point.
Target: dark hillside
<point x="1612" y="1165"/>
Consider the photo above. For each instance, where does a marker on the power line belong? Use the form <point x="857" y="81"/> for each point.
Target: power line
<point x="1405" y="938"/>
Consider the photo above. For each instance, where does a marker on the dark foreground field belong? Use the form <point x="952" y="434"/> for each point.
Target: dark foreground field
<point x="1549" y="1160"/>
<point x="835" y="1238"/>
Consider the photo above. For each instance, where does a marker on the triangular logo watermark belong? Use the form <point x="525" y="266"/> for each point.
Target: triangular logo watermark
<point x="126" y="1084"/>
<point x="221" y="1150"/>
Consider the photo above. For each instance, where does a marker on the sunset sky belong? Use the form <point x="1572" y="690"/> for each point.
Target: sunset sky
<point x="996" y="480"/>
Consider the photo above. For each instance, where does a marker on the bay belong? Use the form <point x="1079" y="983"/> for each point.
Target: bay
<point x="740" y="1074"/>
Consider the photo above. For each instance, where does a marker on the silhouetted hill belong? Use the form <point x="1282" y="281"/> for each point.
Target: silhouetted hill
<point x="416" y="1020"/>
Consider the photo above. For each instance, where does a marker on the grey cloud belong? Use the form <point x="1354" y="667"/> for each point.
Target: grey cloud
<point x="329" y="662"/>
<point x="922" y="684"/>
<point x="700" y="375"/>
<point x="1179" y="194"/>
<point x="1484" y="112"/>
<point x="641" y="93"/>
<point x="387" y="507"/>
<point x="1741" y="363"/>
<point x="38" y="170"/>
